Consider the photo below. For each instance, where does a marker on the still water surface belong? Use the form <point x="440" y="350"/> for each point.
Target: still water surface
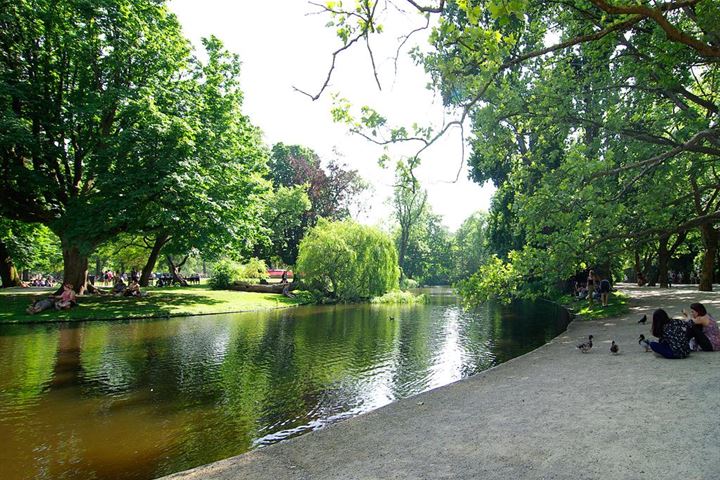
<point x="141" y="399"/>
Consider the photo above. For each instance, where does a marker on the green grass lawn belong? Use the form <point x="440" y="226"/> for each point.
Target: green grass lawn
<point x="160" y="302"/>
<point x="618" y="304"/>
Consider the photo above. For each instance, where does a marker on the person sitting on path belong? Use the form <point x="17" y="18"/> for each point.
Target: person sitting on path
<point x="133" y="290"/>
<point x="703" y="328"/>
<point x="672" y="336"/>
<point x="67" y="298"/>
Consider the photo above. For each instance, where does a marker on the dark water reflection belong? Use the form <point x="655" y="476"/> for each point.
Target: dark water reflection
<point x="146" y="398"/>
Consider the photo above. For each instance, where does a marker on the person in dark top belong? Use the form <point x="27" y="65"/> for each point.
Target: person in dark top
<point x="604" y="291"/>
<point x="672" y="336"/>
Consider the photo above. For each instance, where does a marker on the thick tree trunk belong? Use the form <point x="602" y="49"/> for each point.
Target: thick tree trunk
<point x="710" y="239"/>
<point x="75" y="267"/>
<point x="663" y="259"/>
<point x="160" y="242"/>
<point x="8" y="272"/>
<point x="175" y="271"/>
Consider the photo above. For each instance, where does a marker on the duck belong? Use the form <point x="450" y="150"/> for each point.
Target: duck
<point x="614" y="349"/>
<point x="585" y="347"/>
<point x="643" y="320"/>
<point x="644" y="342"/>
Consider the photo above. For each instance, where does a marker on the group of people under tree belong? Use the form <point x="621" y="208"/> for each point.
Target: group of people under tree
<point x="698" y="331"/>
<point x="67" y="299"/>
<point x="594" y="288"/>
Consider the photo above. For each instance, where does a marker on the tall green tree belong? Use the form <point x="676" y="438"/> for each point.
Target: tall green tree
<point x="470" y="246"/>
<point x="29" y="247"/>
<point x="332" y="191"/>
<point x="73" y="76"/>
<point x="409" y="202"/>
<point x="208" y="198"/>
<point x="109" y="125"/>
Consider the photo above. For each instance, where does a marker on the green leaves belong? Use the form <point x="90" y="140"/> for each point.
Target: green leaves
<point x="348" y="261"/>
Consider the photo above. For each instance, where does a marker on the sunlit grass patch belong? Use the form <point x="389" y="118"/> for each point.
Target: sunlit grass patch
<point x="618" y="304"/>
<point x="159" y="302"/>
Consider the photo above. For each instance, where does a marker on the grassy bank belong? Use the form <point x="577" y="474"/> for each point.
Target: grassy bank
<point x="160" y="302"/>
<point x="618" y="305"/>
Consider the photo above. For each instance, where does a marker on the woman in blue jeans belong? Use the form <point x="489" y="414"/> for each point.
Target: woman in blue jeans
<point x="672" y="336"/>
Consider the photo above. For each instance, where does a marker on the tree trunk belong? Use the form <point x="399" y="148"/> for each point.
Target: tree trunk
<point x="710" y="239"/>
<point x="8" y="272"/>
<point x="175" y="271"/>
<point x="160" y="242"/>
<point x="663" y="259"/>
<point x="75" y="267"/>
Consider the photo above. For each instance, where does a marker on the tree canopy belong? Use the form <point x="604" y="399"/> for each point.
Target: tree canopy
<point x="109" y="124"/>
<point x="597" y="122"/>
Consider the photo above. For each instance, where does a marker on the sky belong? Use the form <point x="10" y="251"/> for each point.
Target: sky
<point x="282" y="45"/>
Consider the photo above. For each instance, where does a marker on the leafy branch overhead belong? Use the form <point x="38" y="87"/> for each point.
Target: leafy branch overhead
<point x="589" y="118"/>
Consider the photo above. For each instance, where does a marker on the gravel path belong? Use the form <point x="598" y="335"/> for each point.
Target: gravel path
<point x="554" y="413"/>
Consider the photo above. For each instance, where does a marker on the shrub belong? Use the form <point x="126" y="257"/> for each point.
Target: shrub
<point x="224" y="274"/>
<point x="254" y="269"/>
<point x="348" y="261"/>
<point x="495" y="280"/>
<point x="398" y="297"/>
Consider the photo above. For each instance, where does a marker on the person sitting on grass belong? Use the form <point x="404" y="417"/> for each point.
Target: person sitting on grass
<point x="67" y="298"/>
<point x="672" y="336"/>
<point x="119" y="287"/>
<point x="133" y="290"/>
<point x="40" y="305"/>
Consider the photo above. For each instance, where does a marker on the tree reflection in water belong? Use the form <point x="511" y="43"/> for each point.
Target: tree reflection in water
<point x="142" y="399"/>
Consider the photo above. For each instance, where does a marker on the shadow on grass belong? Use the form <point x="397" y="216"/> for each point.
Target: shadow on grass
<point x="160" y="302"/>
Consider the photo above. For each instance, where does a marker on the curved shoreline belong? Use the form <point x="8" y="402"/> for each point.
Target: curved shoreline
<point x="550" y="413"/>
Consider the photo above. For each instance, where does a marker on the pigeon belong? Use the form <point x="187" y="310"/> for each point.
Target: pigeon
<point x="614" y="349"/>
<point x="643" y="320"/>
<point x="644" y="342"/>
<point x="585" y="347"/>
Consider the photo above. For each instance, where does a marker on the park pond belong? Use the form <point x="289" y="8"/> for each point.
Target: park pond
<point x="141" y="399"/>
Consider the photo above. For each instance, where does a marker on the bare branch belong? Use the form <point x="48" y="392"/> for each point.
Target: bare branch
<point x="658" y="159"/>
<point x="332" y="67"/>
<point x="372" y="61"/>
<point x="406" y="38"/>
<point x="698" y="221"/>
<point x="438" y="9"/>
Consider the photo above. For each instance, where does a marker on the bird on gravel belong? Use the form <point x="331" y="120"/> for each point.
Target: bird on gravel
<point x="614" y="349"/>
<point x="644" y="342"/>
<point x="643" y="320"/>
<point x="585" y="347"/>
